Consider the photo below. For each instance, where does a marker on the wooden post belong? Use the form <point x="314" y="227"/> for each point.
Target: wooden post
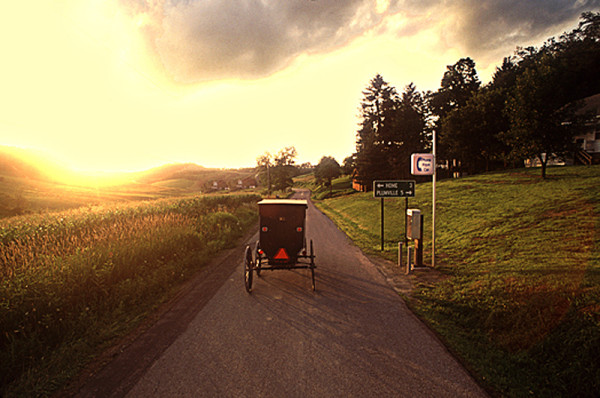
<point x="419" y="247"/>
<point x="381" y="224"/>
<point x="405" y="221"/>
<point x="400" y="253"/>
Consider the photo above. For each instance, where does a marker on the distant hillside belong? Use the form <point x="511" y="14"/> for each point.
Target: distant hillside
<point x="170" y="172"/>
<point x="21" y="163"/>
<point x="30" y="182"/>
<point x="193" y="177"/>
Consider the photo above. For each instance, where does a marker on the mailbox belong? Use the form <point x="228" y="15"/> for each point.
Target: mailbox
<point x="413" y="224"/>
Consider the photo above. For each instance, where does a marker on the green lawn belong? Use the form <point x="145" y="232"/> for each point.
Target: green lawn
<point x="517" y="286"/>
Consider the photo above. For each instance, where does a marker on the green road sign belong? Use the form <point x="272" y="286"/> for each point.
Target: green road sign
<point x="394" y="189"/>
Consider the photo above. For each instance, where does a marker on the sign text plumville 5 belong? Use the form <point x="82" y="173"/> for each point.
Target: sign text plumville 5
<point x="393" y="189"/>
<point x="422" y="164"/>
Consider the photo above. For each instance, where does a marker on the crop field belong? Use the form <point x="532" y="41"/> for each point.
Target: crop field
<point x="516" y="289"/>
<point x="19" y="195"/>
<point x="73" y="281"/>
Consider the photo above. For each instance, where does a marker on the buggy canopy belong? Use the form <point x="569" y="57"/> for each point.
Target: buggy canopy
<point x="282" y="224"/>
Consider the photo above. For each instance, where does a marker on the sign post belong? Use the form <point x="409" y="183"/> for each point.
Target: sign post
<point x="434" y="177"/>
<point x="423" y="164"/>
<point x="382" y="229"/>
<point x="393" y="189"/>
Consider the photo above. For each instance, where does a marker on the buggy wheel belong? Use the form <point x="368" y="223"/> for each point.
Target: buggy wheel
<point x="258" y="258"/>
<point x="248" y="266"/>
<point x="312" y="265"/>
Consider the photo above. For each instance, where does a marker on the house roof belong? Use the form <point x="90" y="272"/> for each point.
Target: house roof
<point x="300" y="202"/>
<point x="591" y="104"/>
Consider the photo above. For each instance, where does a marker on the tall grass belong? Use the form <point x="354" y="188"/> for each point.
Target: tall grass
<point x="517" y="287"/>
<point x="72" y="280"/>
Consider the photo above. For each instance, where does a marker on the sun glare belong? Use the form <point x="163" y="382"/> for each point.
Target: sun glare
<point x="104" y="102"/>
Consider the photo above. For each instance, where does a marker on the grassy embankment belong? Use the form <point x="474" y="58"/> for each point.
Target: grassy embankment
<point x="75" y="280"/>
<point x="517" y="287"/>
<point x="339" y="186"/>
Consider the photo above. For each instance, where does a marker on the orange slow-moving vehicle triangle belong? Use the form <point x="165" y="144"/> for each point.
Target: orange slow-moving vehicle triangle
<point x="281" y="255"/>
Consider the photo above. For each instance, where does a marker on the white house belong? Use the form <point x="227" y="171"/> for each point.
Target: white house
<point x="588" y="140"/>
<point x="247" y="183"/>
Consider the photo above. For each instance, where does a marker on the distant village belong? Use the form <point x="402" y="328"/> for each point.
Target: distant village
<point x="241" y="183"/>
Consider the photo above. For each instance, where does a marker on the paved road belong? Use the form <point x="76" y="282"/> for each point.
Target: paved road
<point x="353" y="337"/>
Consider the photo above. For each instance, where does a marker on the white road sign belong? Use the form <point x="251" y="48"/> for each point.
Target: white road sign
<point x="422" y="164"/>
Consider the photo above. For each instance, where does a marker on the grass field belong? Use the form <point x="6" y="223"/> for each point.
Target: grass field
<point x="516" y="290"/>
<point x="339" y="186"/>
<point x="19" y="195"/>
<point x="73" y="281"/>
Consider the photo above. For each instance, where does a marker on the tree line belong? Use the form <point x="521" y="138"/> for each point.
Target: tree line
<point x="529" y="110"/>
<point x="276" y="171"/>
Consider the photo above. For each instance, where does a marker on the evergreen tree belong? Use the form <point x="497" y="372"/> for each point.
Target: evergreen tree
<point x="459" y="83"/>
<point x="375" y="136"/>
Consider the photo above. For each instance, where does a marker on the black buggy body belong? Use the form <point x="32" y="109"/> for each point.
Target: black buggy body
<point x="282" y="240"/>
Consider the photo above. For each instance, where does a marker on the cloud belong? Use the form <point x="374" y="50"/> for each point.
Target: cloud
<point x="215" y="39"/>
<point x="201" y="40"/>
<point x="484" y="28"/>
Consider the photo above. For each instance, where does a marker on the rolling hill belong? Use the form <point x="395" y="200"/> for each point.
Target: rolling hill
<point x="31" y="182"/>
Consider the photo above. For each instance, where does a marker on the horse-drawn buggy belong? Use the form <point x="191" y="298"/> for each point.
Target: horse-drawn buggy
<point x="282" y="240"/>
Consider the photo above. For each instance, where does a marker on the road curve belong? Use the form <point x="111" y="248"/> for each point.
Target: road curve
<point x="353" y="337"/>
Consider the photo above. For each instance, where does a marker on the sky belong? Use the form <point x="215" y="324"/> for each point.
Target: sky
<point x="126" y="85"/>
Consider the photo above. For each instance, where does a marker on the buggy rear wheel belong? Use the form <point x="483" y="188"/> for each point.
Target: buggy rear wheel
<point x="248" y="267"/>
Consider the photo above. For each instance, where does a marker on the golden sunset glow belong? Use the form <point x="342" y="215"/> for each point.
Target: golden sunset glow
<point x="103" y="87"/>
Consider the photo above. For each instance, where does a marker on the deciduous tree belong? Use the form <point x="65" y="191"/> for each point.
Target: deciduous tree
<point x="472" y="131"/>
<point x="284" y="169"/>
<point x="327" y="169"/>
<point x="542" y="120"/>
<point x="264" y="164"/>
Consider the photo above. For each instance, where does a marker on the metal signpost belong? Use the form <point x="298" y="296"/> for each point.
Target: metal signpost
<point x="393" y="189"/>
<point x="433" y="178"/>
<point x="423" y="164"/>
